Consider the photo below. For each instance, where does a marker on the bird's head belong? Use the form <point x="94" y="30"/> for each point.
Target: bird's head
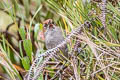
<point x="47" y="24"/>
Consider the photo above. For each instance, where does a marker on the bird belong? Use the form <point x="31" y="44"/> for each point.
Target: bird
<point x="53" y="36"/>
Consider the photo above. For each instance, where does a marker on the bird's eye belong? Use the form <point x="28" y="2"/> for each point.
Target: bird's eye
<point x="45" y="25"/>
<point x="52" y="22"/>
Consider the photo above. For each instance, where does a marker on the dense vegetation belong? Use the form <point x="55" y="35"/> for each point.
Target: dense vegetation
<point x="98" y="44"/>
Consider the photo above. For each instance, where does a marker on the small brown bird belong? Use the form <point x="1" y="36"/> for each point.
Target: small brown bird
<point x="53" y="36"/>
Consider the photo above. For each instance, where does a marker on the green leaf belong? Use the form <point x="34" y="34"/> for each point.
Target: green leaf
<point x="36" y="29"/>
<point x="22" y="33"/>
<point x="14" y="2"/>
<point x="28" y="48"/>
<point x="112" y="8"/>
<point x="27" y="7"/>
<point x="4" y="46"/>
<point x="40" y="77"/>
<point x="113" y="32"/>
<point x="41" y="27"/>
<point x="95" y="31"/>
<point x="1" y="5"/>
<point x="26" y="63"/>
<point x="20" y="47"/>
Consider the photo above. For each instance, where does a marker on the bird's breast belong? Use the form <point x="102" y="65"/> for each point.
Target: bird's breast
<point x="53" y="38"/>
